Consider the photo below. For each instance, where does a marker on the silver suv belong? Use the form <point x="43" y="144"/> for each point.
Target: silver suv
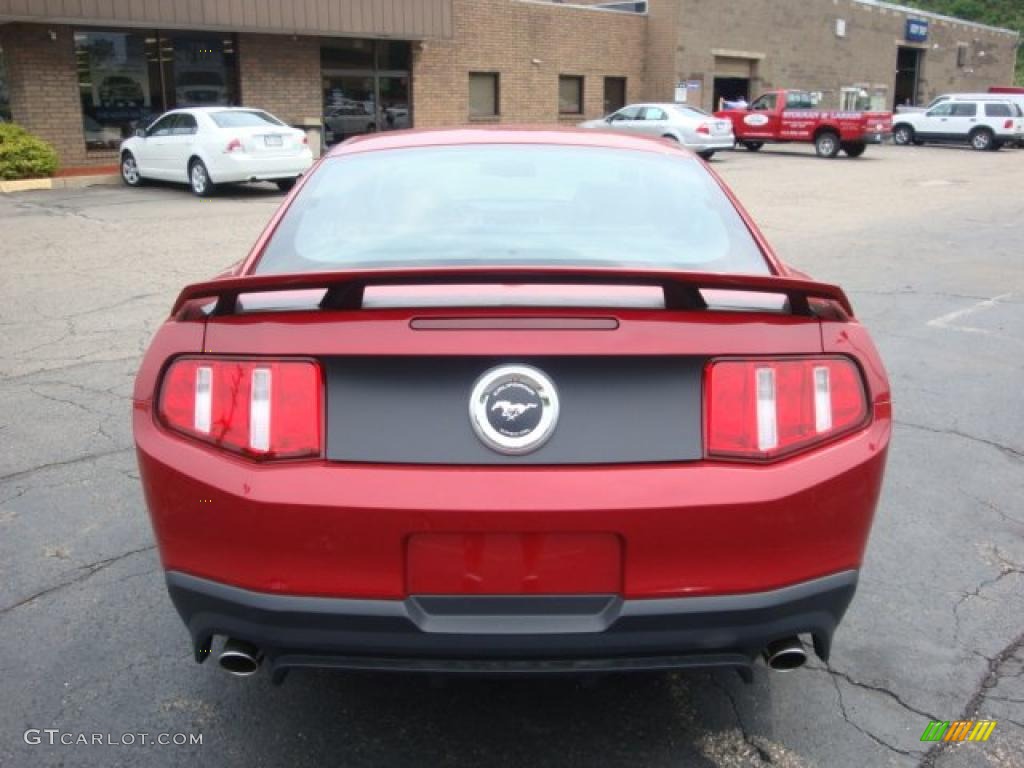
<point x="985" y="124"/>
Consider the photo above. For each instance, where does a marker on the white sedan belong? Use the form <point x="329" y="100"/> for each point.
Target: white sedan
<point x="694" y="128"/>
<point x="207" y="146"/>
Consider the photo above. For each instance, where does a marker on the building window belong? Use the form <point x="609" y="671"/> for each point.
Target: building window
<point x="962" y="55"/>
<point x="5" y="98"/>
<point x="366" y="87"/>
<point x="483" y="94"/>
<point x="570" y="95"/>
<point x="126" y="79"/>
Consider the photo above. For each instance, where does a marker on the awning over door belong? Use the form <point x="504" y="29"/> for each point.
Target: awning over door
<point x="404" y="19"/>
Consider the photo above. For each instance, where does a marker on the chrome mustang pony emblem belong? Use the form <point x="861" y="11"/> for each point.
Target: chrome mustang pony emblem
<point x="512" y="411"/>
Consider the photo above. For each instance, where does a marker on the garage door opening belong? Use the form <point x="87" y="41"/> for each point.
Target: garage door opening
<point x="732" y="78"/>
<point x="731" y="90"/>
<point x="908" y="75"/>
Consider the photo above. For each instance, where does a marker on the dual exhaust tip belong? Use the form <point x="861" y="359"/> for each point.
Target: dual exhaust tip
<point x="242" y="659"/>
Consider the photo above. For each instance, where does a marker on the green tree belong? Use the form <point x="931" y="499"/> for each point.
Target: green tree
<point x="999" y="13"/>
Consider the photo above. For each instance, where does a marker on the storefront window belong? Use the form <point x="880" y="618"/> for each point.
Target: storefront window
<point x="366" y="87"/>
<point x="200" y="69"/>
<point x="126" y="79"/>
<point x="5" y="97"/>
<point x="114" y="85"/>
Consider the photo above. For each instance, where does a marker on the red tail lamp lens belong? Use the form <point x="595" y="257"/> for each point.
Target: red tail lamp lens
<point x="761" y="409"/>
<point x="262" y="408"/>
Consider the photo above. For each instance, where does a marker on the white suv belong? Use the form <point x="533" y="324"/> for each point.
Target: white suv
<point x="985" y="124"/>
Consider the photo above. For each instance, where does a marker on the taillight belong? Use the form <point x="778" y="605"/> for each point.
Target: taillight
<point x="260" y="408"/>
<point x="1008" y="124"/>
<point x="762" y="409"/>
<point x="233" y="145"/>
<point x="704" y="129"/>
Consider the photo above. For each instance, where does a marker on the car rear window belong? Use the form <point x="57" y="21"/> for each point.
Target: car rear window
<point x="238" y="118"/>
<point x="998" y="110"/>
<point x="512" y="205"/>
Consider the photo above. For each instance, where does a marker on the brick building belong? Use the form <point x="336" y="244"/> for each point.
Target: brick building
<point x="84" y="73"/>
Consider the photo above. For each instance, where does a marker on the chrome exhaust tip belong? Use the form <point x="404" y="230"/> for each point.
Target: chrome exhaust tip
<point x="785" y="655"/>
<point x="239" y="658"/>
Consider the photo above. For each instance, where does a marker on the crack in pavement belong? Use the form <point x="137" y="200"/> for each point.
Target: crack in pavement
<point x="91" y="569"/>
<point x="881" y="742"/>
<point x="1006" y="569"/>
<point x="990" y="680"/>
<point x="1007" y="450"/>
<point x="69" y="462"/>
<point x="872" y="687"/>
<point x="744" y="733"/>
<point x="990" y="505"/>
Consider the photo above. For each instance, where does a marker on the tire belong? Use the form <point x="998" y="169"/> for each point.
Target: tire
<point x="199" y="179"/>
<point x="826" y="144"/>
<point x="285" y="185"/>
<point x="707" y="155"/>
<point x="983" y="140"/>
<point x="753" y="146"/>
<point x="903" y="135"/>
<point x="854" y="149"/>
<point x="998" y="145"/>
<point x="130" y="171"/>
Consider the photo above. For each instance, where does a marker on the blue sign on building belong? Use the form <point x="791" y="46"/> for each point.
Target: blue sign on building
<point x="917" y="31"/>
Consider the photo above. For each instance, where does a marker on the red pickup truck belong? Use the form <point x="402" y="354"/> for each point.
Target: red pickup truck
<point x="792" y="116"/>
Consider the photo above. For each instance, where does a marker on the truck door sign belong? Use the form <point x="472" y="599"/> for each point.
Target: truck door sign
<point x="755" y="120"/>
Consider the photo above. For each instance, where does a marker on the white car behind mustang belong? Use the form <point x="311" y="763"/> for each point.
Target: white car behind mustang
<point x="207" y="146"/>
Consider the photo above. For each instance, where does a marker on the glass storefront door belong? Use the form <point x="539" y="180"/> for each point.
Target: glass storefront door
<point x="366" y="87"/>
<point x="350" y="106"/>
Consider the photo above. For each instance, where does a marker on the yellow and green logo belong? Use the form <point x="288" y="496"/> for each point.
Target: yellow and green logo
<point x="958" y="730"/>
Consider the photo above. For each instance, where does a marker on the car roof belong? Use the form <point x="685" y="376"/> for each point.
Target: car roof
<point x="478" y="136"/>
<point x="976" y="96"/>
<point x="216" y="109"/>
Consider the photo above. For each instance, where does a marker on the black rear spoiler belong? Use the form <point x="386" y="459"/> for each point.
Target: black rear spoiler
<point x="344" y="290"/>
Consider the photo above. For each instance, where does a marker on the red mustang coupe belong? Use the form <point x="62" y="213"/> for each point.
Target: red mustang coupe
<point x="499" y="401"/>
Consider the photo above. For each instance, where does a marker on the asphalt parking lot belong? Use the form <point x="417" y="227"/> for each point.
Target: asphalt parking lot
<point x="927" y="241"/>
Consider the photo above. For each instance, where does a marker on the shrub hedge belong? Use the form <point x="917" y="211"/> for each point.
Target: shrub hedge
<point x="24" y="156"/>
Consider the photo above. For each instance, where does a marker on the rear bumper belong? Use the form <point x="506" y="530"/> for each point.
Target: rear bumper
<point x="511" y="634"/>
<point x="247" y="167"/>
<point x="711" y="144"/>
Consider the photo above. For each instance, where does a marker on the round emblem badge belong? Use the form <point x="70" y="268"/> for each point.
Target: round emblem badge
<point x="513" y="409"/>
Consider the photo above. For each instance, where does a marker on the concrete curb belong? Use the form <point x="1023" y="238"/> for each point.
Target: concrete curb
<point x="61" y="182"/>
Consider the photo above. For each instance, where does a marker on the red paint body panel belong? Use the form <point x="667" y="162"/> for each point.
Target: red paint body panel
<point x="390" y="332"/>
<point x="513" y="564"/>
<point x="313" y="528"/>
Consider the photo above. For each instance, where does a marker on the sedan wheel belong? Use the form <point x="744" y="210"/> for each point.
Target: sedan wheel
<point x="199" y="179"/>
<point x="130" y="170"/>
